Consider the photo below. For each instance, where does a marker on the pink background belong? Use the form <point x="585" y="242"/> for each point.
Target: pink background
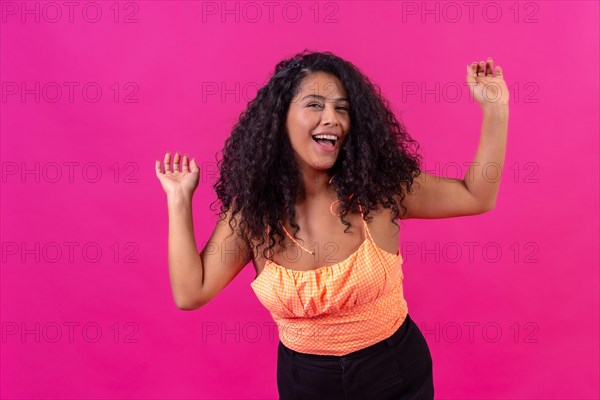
<point x="529" y="289"/>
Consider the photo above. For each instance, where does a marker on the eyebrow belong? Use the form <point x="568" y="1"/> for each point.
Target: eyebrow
<point x="323" y="98"/>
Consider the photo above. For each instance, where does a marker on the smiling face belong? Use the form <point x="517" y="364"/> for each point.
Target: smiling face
<point x="320" y="107"/>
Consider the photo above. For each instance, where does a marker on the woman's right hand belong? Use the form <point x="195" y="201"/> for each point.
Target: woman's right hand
<point x="181" y="179"/>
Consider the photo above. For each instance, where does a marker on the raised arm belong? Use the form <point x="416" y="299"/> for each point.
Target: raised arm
<point x="196" y="278"/>
<point x="441" y="197"/>
<point x="223" y="257"/>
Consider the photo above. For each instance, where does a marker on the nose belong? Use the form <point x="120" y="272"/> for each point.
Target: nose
<point x="329" y="116"/>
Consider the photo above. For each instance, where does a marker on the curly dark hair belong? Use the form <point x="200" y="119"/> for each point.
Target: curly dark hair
<point x="260" y="178"/>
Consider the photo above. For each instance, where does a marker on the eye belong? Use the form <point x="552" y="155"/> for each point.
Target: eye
<point x="317" y="104"/>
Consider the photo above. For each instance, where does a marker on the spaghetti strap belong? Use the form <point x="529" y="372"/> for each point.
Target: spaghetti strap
<point x="295" y="241"/>
<point x="373" y="241"/>
<point x="367" y="232"/>
<point x="268" y="230"/>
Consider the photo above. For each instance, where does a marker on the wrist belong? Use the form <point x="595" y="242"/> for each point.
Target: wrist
<point x="495" y="110"/>
<point x="179" y="199"/>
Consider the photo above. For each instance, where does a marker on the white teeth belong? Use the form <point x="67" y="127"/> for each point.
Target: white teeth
<point x="330" y="137"/>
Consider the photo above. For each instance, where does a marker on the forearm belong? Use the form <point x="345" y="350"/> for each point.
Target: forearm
<point x="483" y="176"/>
<point x="185" y="264"/>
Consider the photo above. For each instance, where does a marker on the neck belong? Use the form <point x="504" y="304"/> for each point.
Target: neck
<point x="316" y="187"/>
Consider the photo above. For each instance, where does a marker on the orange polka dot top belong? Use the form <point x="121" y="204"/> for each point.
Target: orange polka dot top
<point x="336" y="309"/>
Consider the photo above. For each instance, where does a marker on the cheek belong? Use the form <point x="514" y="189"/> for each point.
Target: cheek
<point x="300" y="141"/>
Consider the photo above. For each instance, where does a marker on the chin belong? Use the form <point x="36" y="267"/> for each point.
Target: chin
<point x="323" y="165"/>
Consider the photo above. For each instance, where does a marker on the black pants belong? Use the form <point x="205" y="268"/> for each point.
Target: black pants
<point x="399" y="368"/>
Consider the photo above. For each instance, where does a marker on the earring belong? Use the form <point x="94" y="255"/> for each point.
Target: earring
<point x="331" y="208"/>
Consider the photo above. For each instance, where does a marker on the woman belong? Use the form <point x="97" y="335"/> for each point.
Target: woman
<point x="316" y="152"/>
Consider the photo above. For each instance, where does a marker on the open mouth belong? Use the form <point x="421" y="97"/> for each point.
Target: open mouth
<point x="328" y="141"/>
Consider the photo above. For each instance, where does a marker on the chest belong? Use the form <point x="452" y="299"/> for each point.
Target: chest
<point x="328" y="244"/>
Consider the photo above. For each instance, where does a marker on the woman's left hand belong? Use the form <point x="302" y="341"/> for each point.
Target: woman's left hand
<point x="486" y="89"/>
